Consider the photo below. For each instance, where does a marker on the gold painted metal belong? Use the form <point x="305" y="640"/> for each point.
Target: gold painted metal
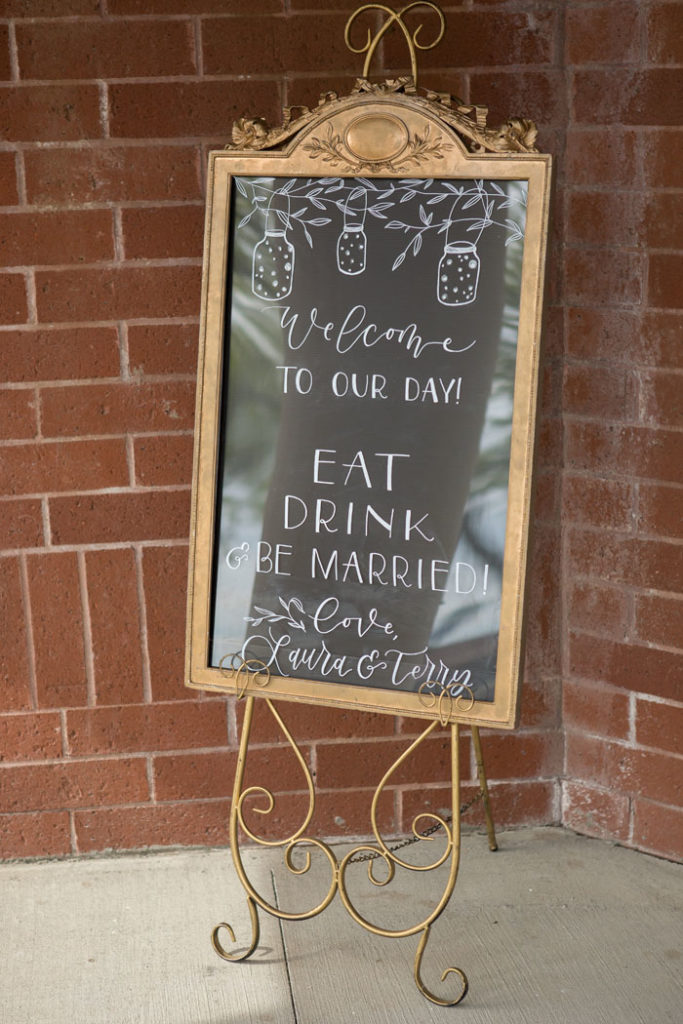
<point x="299" y="842"/>
<point x="484" y="789"/>
<point x="395" y="17"/>
<point x="374" y="138"/>
<point x="383" y="130"/>
<point x="468" y="121"/>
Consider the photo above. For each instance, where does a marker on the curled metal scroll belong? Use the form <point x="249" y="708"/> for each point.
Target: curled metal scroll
<point x="298" y="842"/>
<point x="381" y="852"/>
<point x="395" y="17"/>
<point x="446" y="702"/>
<point x="245" y="673"/>
<point x="291" y="844"/>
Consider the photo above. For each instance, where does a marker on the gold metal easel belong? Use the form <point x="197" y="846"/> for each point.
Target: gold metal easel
<point x="254" y="675"/>
<point x="250" y="677"/>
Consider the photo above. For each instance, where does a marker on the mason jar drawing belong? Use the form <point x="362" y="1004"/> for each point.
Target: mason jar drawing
<point x="273" y="262"/>
<point x="352" y="244"/>
<point x="458" y="274"/>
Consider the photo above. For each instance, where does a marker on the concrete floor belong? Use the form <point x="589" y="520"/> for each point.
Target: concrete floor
<point x="552" y="929"/>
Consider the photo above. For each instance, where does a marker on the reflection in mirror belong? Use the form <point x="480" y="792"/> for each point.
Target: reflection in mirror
<point x="367" y="409"/>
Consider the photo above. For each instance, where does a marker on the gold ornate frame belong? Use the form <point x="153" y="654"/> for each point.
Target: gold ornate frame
<point x="378" y="131"/>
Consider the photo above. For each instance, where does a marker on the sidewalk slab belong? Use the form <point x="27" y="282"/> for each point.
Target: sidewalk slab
<point x="553" y="928"/>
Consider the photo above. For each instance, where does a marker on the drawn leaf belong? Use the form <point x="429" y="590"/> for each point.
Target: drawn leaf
<point x="398" y="261"/>
<point x="417" y="244"/>
<point x="496" y="188"/>
<point x="308" y="235"/>
<point x="439" y="198"/>
<point x="318" y="222"/>
<point x="245" y="220"/>
<point x="394" y="225"/>
<point x="407" y="196"/>
<point x="471" y="202"/>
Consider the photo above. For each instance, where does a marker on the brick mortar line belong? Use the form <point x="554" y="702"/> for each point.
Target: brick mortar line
<point x="140" y="705"/>
<point x="89" y="654"/>
<point x="13" y="52"/>
<point x="127" y="380"/>
<point x="151" y="781"/>
<point x="62" y="732"/>
<point x="47" y="525"/>
<point x="108" y="264"/>
<point x="97" y="492"/>
<point x="593" y="364"/>
<point x="621" y="536"/>
<point x="198" y="45"/>
<point x="118" y="239"/>
<point x="38" y="412"/>
<point x="111" y="324"/>
<point x="606" y="246"/>
<point x="631" y="720"/>
<point x="575" y="417"/>
<point x="136" y="81"/>
<point x="99" y="143"/>
<point x="31" y="297"/>
<point x="38" y="441"/>
<point x="130" y="460"/>
<point x="635" y="590"/>
<point x="85" y="206"/>
<point x="625" y="744"/>
<point x="73" y="835"/>
<point x="20" y="170"/>
<point x="147" y="693"/>
<point x="171" y="542"/>
<point x="30" y="645"/>
<point x="650" y="698"/>
<point x="614" y="690"/>
<point x="124" y="349"/>
<point x="626" y="642"/>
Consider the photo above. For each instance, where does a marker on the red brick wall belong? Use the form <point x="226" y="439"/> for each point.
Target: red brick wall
<point x="107" y="109"/>
<point x="623" y="414"/>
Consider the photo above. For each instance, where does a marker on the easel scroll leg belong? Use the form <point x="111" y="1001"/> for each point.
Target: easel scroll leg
<point x="484" y="789"/>
<point x="234" y="849"/>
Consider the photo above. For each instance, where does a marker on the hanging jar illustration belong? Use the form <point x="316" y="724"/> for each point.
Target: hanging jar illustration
<point x="458" y="274"/>
<point x="273" y="262"/>
<point x="352" y="244"/>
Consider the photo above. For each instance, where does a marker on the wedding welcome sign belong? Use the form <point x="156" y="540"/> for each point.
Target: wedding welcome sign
<point x="365" y="421"/>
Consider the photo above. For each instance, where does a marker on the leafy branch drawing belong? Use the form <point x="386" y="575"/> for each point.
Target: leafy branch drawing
<point x="476" y="206"/>
<point x="462" y="199"/>
<point x="287" y="616"/>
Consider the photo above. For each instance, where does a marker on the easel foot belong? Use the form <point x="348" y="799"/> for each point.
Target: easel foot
<point x="449" y="970"/>
<point x="255" y="936"/>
